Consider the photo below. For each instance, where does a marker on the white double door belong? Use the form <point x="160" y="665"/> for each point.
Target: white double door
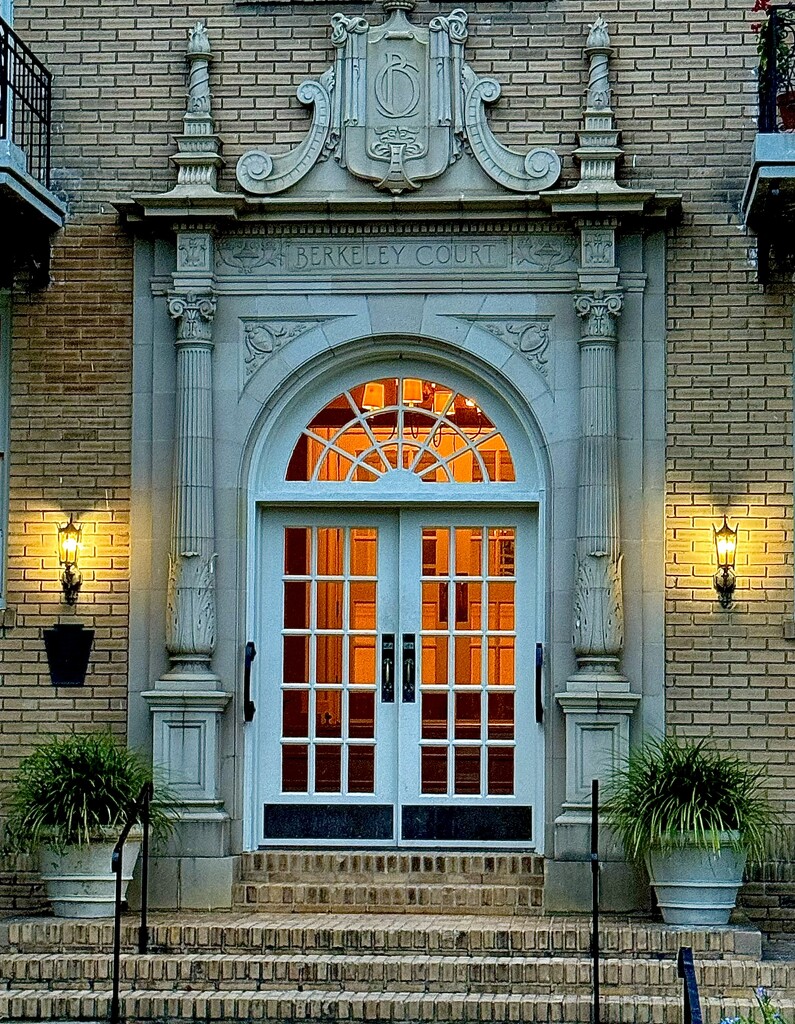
<point x="396" y="686"/>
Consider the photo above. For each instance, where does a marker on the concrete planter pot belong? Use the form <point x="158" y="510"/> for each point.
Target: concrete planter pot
<point x="696" y="886"/>
<point x="79" y="881"/>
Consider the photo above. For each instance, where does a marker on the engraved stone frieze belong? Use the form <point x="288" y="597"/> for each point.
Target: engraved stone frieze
<point x="265" y="257"/>
<point x="529" y="335"/>
<point x="396" y="109"/>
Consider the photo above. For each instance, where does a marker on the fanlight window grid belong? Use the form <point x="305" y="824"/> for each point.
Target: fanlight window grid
<point x="408" y="424"/>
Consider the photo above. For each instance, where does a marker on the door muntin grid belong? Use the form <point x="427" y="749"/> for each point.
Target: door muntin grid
<point x="328" y="668"/>
<point x="468" y="661"/>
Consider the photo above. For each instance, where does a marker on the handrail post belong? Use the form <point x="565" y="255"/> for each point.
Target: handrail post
<point x="595" y="897"/>
<point x="116" y="865"/>
<point x="691" y="1003"/>
<point x="143" y="930"/>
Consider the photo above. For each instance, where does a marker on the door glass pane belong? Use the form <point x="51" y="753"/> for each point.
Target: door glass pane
<point x="434" y="769"/>
<point x="297" y="551"/>
<point x="329" y="659"/>
<point x="467" y="552"/>
<point x="467" y="770"/>
<point x="434" y="716"/>
<point x="361" y="716"/>
<point x="468" y="597"/>
<point x="295" y="705"/>
<point x="296" y="659"/>
<point x="501" y="605"/>
<point x="296" y="605"/>
<point x="361" y="769"/>
<point x="362" y="605"/>
<point x="329" y="551"/>
<point x="501" y="661"/>
<point x="434" y="605"/>
<point x="501" y="716"/>
<point x="364" y="553"/>
<point x="362" y="660"/>
<point x="500" y="771"/>
<point x="501" y="552"/>
<point x="467" y="660"/>
<point x="328" y="768"/>
<point x="434" y="660"/>
<point x="435" y="552"/>
<point x="328" y="713"/>
<point x="329" y="605"/>
<point x="295" y="768"/>
<point x="467" y="716"/>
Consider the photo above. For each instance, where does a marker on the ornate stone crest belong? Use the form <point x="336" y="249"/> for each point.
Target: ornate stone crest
<point x="397" y="109"/>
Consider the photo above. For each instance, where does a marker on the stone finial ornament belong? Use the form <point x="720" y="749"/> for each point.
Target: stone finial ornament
<point x="598" y="151"/>
<point x="399" y="106"/>
<point x="198" y="157"/>
<point x="598" y="49"/>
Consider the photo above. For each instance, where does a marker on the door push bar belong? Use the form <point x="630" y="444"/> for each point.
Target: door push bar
<point x="249" y="708"/>
<point x="409" y="668"/>
<point x="388" y="668"/>
<point x="539" y="694"/>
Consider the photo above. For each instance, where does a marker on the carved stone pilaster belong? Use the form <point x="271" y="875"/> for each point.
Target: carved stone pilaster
<point x="199" y="149"/>
<point x="190" y="626"/>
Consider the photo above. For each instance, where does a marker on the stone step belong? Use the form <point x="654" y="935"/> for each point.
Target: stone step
<point x="368" y="897"/>
<point x="385" y="973"/>
<point x="417" y="1008"/>
<point x="392" y="867"/>
<point x="444" y="935"/>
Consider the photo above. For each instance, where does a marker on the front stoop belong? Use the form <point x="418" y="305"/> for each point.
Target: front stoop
<point x="370" y="882"/>
<point x="379" y="968"/>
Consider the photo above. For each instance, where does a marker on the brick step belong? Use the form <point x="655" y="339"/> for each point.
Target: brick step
<point x="370" y="897"/>
<point x="385" y="973"/>
<point x="417" y="1008"/>
<point x="444" y="935"/>
<point x="409" y="868"/>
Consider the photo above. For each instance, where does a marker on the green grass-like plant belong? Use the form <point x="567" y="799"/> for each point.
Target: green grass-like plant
<point x="72" y="787"/>
<point x="673" y="793"/>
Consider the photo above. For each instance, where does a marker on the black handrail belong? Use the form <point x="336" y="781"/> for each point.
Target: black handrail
<point x="138" y="812"/>
<point x="691" y="1004"/>
<point x="25" y="102"/>
<point x="596" y="1011"/>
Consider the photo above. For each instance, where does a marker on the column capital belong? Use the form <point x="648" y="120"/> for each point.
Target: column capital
<point x="599" y="311"/>
<point x="194" y="313"/>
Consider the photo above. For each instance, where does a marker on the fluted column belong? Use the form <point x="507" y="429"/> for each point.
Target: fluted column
<point x="598" y="598"/>
<point x="190" y="627"/>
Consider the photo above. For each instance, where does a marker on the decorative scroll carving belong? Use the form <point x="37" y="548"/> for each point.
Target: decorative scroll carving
<point x="396" y="110"/>
<point x="529" y="335"/>
<point x="194" y="315"/>
<point x="250" y="254"/>
<point x="544" y="252"/>
<point x="598" y="606"/>
<point x="263" y="337"/>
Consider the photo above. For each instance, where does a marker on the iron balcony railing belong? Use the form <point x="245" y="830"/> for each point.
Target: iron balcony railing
<point x="776" y="36"/>
<point x="25" y="102"/>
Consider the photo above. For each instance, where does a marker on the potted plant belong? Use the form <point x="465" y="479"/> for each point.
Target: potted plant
<point x="71" y="800"/>
<point x="693" y="816"/>
<point x="776" y="39"/>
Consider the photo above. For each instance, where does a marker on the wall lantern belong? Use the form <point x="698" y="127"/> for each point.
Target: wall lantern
<point x="725" y="551"/>
<point x="69" y="543"/>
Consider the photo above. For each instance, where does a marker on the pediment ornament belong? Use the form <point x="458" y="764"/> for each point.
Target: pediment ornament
<point x="397" y="108"/>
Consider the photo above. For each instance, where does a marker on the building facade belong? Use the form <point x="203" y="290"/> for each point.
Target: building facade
<point x="397" y="364"/>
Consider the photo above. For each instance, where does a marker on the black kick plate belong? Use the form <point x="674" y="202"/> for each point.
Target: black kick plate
<point x="486" y="824"/>
<point x="343" y="821"/>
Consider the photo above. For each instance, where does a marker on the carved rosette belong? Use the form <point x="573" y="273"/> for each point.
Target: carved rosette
<point x="190" y="625"/>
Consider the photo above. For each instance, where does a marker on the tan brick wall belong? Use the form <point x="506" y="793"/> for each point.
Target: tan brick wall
<point x="684" y="98"/>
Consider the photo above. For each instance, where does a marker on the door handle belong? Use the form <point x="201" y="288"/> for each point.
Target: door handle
<point x="388" y="668"/>
<point x="539" y="694"/>
<point x="249" y="708"/>
<point x="409" y="668"/>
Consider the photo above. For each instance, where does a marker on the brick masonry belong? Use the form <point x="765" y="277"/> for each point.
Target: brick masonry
<point x="684" y="98"/>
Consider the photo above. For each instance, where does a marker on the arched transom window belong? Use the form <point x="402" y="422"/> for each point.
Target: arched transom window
<point x="402" y="424"/>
